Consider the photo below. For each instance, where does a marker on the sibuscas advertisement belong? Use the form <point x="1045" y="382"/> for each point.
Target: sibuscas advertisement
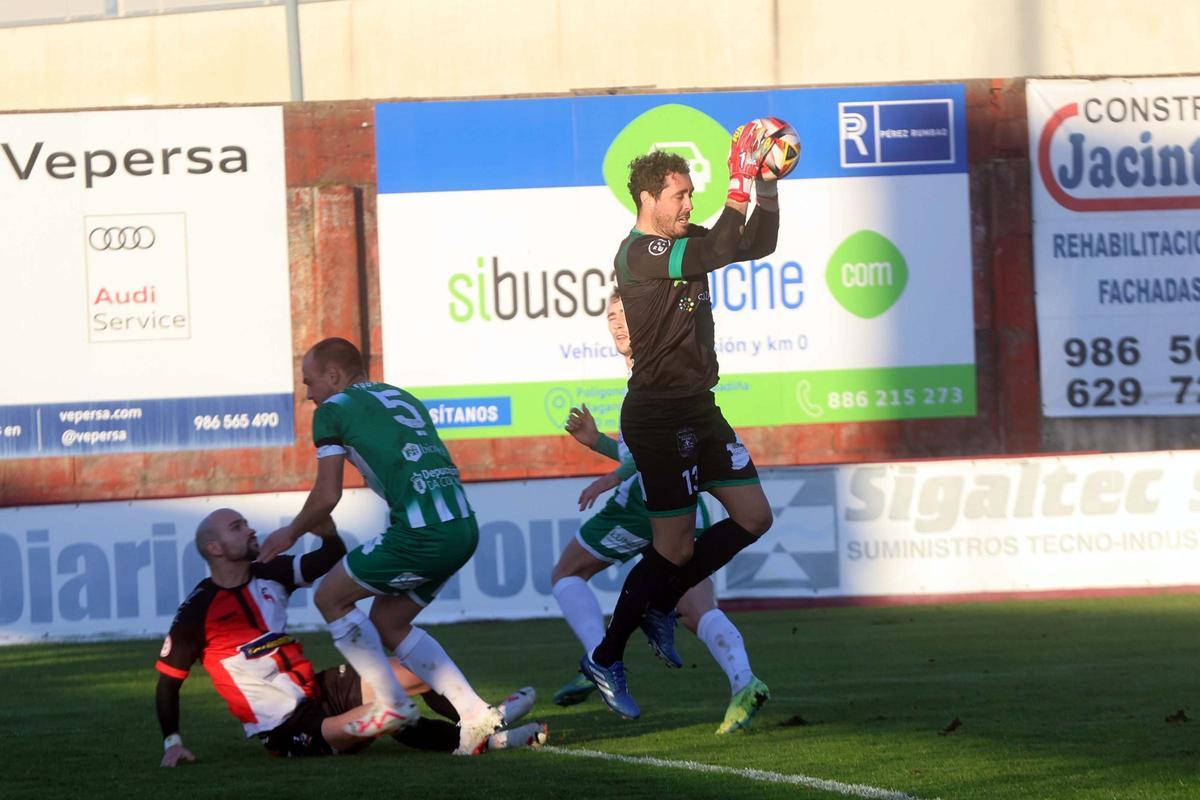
<point x="495" y="270"/>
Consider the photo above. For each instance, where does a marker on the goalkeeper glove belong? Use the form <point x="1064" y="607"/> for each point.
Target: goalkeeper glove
<point x="745" y="160"/>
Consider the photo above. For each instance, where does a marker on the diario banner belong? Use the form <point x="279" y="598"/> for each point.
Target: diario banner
<point x="146" y="302"/>
<point x="905" y="529"/>
<point x="495" y="269"/>
<point x="1116" y="213"/>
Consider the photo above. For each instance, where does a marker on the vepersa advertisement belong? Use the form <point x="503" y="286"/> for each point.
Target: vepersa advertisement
<point x="1116" y="213"/>
<point x="495" y="269"/>
<point x="147" y="258"/>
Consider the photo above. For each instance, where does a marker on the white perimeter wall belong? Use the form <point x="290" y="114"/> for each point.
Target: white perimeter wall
<point x="458" y="48"/>
<point x="912" y="529"/>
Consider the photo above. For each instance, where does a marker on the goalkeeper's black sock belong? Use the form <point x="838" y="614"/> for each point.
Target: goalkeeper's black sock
<point x="644" y="583"/>
<point x="713" y="550"/>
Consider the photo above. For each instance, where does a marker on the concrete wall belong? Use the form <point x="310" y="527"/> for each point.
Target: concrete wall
<point x="458" y="48"/>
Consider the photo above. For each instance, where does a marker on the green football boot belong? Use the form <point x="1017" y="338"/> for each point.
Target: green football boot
<point x="744" y="705"/>
<point x="574" y="692"/>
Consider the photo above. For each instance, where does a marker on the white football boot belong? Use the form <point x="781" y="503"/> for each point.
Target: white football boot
<point x="517" y="705"/>
<point x="380" y="719"/>
<point x="531" y="734"/>
<point x="473" y="733"/>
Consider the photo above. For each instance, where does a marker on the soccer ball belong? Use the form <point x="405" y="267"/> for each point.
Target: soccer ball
<point x="784" y="147"/>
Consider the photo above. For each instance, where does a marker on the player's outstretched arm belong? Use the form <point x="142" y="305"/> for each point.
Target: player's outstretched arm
<point x="166" y="701"/>
<point x="315" y="564"/>
<point x="582" y="425"/>
<point x="324" y="497"/>
<point x="593" y="490"/>
<point x="761" y="234"/>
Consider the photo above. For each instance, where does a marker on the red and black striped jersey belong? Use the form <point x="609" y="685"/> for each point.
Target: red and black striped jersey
<point x="240" y="636"/>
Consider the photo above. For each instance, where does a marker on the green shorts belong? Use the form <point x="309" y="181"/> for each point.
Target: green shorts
<point x="618" y="533"/>
<point x="416" y="562"/>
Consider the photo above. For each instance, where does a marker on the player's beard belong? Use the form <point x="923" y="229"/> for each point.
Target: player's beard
<point x="671" y="225"/>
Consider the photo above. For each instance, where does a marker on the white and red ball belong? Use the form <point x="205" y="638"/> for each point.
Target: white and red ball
<point x="783" y="147"/>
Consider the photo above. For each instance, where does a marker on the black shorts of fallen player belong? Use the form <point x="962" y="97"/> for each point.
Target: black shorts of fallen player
<point x="339" y="690"/>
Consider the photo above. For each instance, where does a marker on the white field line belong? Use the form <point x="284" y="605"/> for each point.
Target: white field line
<point x="846" y="789"/>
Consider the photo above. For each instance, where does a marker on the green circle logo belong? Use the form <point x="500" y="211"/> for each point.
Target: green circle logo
<point x="867" y="274"/>
<point x="679" y="129"/>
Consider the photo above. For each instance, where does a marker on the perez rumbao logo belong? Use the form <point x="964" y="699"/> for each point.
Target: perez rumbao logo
<point x="1111" y="151"/>
<point x="137" y="162"/>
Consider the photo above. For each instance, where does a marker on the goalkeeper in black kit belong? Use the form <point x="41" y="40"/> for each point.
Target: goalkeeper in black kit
<point x="670" y="420"/>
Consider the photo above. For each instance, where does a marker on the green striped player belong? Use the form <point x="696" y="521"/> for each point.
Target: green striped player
<point x="387" y="434"/>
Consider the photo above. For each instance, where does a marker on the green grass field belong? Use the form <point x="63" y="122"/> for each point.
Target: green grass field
<point x="1055" y="699"/>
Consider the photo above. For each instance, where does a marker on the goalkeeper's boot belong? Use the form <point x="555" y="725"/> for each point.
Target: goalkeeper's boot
<point x="659" y="628"/>
<point x="381" y="718"/>
<point x="744" y="705"/>
<point x="579" y="689"/>
<point x="611" y="683"/>
<point x="473" y="733"/>
<point x="531" y="734"/>
<point x="517" y="705"/>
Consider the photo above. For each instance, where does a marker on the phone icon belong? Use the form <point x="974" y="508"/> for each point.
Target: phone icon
<point x="803" y="388"/>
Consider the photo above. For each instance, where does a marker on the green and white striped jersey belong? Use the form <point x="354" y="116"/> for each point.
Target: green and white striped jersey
<point x="388" y="435"/>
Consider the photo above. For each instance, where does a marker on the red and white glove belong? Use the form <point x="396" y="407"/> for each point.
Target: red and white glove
<point x="745" y="160"/>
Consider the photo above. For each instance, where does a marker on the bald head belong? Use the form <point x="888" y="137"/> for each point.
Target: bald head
<point x="329" y="367"/>
<point x="337" y="352"/>
<point x="225" y="534"/>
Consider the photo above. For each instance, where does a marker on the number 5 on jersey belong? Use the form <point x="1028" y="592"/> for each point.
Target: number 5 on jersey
<point x="411" y="417"/>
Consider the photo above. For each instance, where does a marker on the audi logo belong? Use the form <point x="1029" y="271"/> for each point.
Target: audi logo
<point x="140" y="237"/>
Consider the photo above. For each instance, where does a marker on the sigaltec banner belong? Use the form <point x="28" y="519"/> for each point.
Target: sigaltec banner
<point x="1116" y="213"/>
<point x="932" y="528"/>
<point x="495" y="266"/>
<point x="146" y="302"/>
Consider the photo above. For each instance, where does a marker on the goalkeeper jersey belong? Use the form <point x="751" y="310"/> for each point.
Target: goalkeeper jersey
<point x="668" y="307"/>
<point x="388" y="435"/>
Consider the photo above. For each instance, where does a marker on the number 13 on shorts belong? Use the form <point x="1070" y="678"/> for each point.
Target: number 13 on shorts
<point x="691" y="477"/>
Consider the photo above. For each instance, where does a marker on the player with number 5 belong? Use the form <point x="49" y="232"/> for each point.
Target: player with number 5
<point x="388" y="435"/>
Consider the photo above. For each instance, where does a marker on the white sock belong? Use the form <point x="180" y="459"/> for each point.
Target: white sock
<point x="422" y="654"/>
<point x="581" y="610"/>
<point x="728" y="649"/>
<point x="358" y="642"/>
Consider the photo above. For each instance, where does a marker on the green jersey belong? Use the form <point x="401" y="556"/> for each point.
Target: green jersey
<point x="388" y="435"/>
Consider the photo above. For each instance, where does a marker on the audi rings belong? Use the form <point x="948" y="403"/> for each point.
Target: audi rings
<point x="140" y="237"/>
